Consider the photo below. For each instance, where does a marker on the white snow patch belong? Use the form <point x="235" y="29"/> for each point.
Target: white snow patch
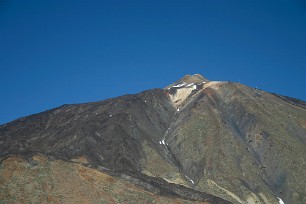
<point x="160" y="142"/>
<point x="189" y="179"/>
<point x="96" y="113"/>
<point x="145" y="101"/>
<point x="280" y="201"/>
<point x="110" y="116"/>
<point x="189" y="85"/>
<point x="194" y="86"/>
<point x="178" y="109"/>
<point x="179" y="85"/>
<point x="163" y="142"/>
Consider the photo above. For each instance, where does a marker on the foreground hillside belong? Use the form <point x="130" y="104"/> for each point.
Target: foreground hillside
<point x="194" y="141"/>
<point x="42" y="180"/>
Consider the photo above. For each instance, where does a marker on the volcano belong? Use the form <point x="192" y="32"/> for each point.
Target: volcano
<point x="194" y="141"/>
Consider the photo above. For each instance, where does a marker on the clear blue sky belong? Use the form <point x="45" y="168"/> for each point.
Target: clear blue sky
<point x="60" y="52"/>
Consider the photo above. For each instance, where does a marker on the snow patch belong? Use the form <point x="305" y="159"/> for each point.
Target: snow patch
<point x="163" y="141"/>
<point x="280" y="200"/>
<point x="184" y="85"/>
<point x="110" y="116"/>
<point x="179" y="85"/>
<point x="189" y="179"/>
<point x="178" y="109"/>
<point x="189" y="85"/>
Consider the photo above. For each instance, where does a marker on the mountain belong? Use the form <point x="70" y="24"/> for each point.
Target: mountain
<point x="195" y="141"/>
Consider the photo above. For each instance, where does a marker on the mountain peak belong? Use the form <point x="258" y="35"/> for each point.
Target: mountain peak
<point x="196" y="78"/>
<point x="187" y="80"/>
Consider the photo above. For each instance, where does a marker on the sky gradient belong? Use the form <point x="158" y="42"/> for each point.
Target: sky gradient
<point x="62" y="52"/>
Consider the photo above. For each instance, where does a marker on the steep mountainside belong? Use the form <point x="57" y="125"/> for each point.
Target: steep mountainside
<point x="195" y="140"/>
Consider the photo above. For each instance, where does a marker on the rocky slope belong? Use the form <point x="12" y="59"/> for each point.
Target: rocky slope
<point x="195" y="140"/>
<point x="44" y="180"/>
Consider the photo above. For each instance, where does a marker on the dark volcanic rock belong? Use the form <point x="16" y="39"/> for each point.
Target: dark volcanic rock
<point x="109" y="133"/>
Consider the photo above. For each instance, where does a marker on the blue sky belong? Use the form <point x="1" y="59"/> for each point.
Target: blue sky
<point x="61" y="52"/>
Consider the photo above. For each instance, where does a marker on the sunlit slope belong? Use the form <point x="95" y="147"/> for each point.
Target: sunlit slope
<point x="242" y="143"/>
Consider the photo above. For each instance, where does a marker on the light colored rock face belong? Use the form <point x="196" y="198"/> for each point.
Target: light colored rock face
<point x="184" y="92"/>
<point x="187" y="86"/>
<point x="181" y="95"/>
